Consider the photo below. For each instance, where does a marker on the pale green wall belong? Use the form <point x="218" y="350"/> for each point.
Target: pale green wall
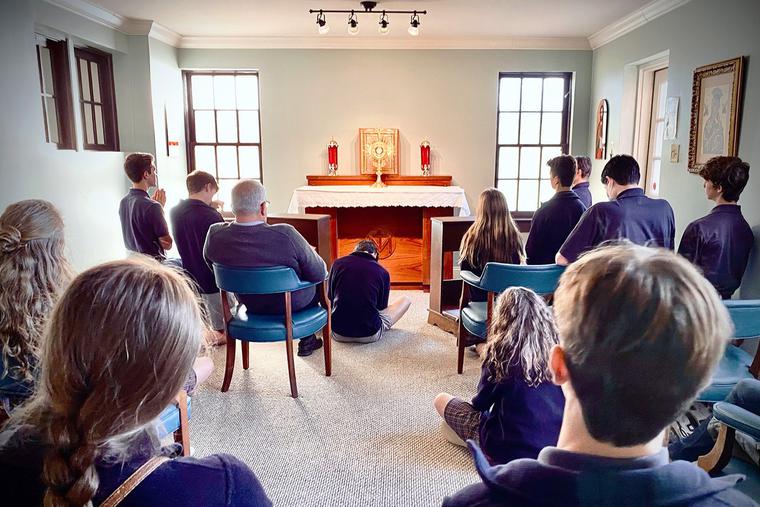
<point x="699" y="33"/>
<point x="448" y="97"/>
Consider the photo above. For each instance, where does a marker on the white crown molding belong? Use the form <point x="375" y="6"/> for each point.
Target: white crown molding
<point x="632" y="21"/>
<point x="349" y="42"/>
<point x="165" y="35"/>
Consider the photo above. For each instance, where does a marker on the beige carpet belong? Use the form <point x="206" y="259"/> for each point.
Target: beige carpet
<point x="368" y="435"/>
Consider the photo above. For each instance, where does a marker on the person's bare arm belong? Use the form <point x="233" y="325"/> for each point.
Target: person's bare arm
<point x="165" y="242"/>
<point x="561" y="260"/>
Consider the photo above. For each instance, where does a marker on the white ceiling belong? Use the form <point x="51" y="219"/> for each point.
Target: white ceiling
<point x="446" y="19"/>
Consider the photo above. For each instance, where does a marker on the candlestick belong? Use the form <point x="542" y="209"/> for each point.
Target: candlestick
<point x="425" y="158"/>
<point x="332" y="158"/>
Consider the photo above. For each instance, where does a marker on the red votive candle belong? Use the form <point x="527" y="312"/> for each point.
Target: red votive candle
<point x="425" y="154"/>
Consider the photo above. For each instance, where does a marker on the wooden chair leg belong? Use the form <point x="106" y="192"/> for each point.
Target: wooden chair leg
<point x="720" y="454"/>
<point x="327" y="330"/>
<point x="182" y="435"/>
<point x="244" y="346"/>
<point x="289" y="345"/>
<point x="229" y="367"/>
<point x="461" y="335"/>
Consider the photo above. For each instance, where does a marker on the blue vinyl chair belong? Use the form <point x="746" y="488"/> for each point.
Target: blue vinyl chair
<point x="176" y="419"/>
<point x="475" y="316"/>
<point x="736" y="364"/>
<point x="249" y="327"/>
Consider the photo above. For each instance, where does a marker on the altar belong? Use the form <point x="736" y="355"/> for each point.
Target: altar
<point x="397" y="217"/>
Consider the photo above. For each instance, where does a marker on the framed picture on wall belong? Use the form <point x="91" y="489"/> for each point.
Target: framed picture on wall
<point x="715" y="110"/>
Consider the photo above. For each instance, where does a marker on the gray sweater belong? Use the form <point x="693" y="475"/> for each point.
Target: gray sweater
<point x="264" y="245"/>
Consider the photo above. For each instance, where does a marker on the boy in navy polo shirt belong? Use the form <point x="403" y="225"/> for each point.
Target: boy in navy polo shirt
<point x="628" y="215"/>
<point x="627" y="369"/>
<point x="554" y="220"/>
<point x="720" y="243"/>
<point x="191" y="219"/>
<point x="580" y="183"/>
<point x="143" y="225"/>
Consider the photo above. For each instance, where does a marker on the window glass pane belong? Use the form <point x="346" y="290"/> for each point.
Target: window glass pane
<point x="509" y="189"/>
<point x="554" y="94"/>
<point x="51" y="117"/>
<point x="99" y="125"/>
<point x="205" y="130"/>
<point x="508" y="124"/>
<point x="249" y="126"/>
<point x="529" y="128"/>
<point x="205" y="159"/>
<point x="249" y="162"/>
<point x="203" y="92"/>
<point x="531" y="94"/>
<point x="509" y="94"/>
<point x="548" y="153"/>
<point x="89" y="133"/>
<point x="551" y="128"/>
<point x="508" y="158"/>
<point x="225" y="192"/>
<point x="528" y="195"/>
<point x="47" y="70"/>
<point x="85" y="79"/>
<point x="546" y="191"/>
<point x="247" y="92"/>
<point x="226" y="124"/>
<point x="224" y="92"/>
<point x="95" y="82"/>
<point x="226" y="159"/>
<point x="530" y="160"/>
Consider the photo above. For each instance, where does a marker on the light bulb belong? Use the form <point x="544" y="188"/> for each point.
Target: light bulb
<point x="384" y="28"/>
<point x="323" y="29"/>
<point x="353" y="27"/>
<point x="414" y="31"/>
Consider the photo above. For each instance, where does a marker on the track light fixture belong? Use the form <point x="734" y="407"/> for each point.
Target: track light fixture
<point x="368" y="8"/>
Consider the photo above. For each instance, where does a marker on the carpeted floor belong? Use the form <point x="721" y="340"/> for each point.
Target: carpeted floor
<point x="368" y="435"/>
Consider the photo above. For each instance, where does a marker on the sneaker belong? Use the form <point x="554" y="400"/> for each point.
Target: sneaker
<point x="308" y="345"/>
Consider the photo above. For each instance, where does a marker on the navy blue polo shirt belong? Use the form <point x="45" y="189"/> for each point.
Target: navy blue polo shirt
<point x="582" y="191"/>
<point x="720" y="244"/>
<point x="191" y="219"/>
<point x="142" y="223"/>
<point x="359" y="288"/>
<point x="551" y="225"/>
<point x="632" y="216"/>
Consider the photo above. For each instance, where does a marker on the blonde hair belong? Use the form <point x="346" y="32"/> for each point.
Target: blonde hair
<point x="33" y="272"/>
<point x="120" y="344"/>
<point x="493" y="237"/>
<point x="521" y="335"/>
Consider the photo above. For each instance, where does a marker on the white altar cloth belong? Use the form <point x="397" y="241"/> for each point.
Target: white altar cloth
<point x="361" y="196"/>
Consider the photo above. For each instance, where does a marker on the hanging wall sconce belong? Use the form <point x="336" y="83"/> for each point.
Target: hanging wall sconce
<point x="332" y="158"/>
<point x="425" y="158"/>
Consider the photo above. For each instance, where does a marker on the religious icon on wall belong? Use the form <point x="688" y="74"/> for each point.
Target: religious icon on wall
<point x="715" y="107"/>
<point x="602" y="117"/>
<point x="378" y="151"/>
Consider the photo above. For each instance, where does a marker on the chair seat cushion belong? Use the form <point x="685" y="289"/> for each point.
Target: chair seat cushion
<point x="733" y="367"/>
<point x="474" y="317"/>
<point x="271" y="328"/>
<point x="169" y="418"/>
<point x="741" y="419"/>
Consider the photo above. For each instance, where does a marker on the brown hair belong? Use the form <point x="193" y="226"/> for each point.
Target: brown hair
<point x="197" y="180"/>
<point x="136" y="165"/>
<point x="493" y="237"/>
<point x="563" y="167"/>
<point x="33" y="272"/>
<point x="584" y="164"/>
<point x="120" y="344"/>
<point x="642" y="331"/>
<point x="521" y="335"/>
<point x="729" y="173"/>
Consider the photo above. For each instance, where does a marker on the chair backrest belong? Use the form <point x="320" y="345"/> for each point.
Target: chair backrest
<point x="267" y="280"/>
<point x="746" y="316"/>
<point x="541" y="279"/>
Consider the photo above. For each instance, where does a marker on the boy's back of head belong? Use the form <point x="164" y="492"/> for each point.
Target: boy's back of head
<point x="641" y="331"/>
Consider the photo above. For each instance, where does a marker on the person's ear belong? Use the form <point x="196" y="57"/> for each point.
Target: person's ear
<point x="558" y="366"/>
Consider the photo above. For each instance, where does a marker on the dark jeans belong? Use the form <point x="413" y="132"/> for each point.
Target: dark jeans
<point x="745" y="394"/>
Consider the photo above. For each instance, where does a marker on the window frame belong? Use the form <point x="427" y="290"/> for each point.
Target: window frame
<point x="187" y="76"/>
<point x="61" y="96"/>
<point x="564" y="137"/>
<point x="107" y="98"/>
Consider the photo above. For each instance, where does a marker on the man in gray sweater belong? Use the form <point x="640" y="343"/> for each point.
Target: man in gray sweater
<point x="250" y="242"/>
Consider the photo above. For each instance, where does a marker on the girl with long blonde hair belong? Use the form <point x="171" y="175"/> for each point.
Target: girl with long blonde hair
<point x="493" y="237"/>
<point x="33" y="272"/>
<point x="517" y="410"/>
<point x="118" y="348"/>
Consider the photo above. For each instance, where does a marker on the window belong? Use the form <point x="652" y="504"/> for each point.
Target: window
<point x="223" y="126"/>
<point x="97" y="100"/>
<point x="532" y="127"/>
<point x="55" y="89"/>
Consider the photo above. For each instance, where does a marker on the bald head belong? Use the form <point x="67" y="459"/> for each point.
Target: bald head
<point x="247" y="198"/>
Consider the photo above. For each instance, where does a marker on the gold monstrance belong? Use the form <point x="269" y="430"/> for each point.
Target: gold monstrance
<point x="379" y="151"/>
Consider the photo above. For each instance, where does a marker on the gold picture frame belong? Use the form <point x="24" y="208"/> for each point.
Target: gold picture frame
<point x="378" y="147"/>
<point x="716" y="97"/>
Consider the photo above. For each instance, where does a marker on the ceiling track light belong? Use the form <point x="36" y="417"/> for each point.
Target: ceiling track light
<point x="368" y="8"/>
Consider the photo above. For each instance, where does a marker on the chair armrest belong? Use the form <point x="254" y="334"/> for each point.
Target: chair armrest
<point x="738" y="418"/>
<point x="471" y="278"/>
